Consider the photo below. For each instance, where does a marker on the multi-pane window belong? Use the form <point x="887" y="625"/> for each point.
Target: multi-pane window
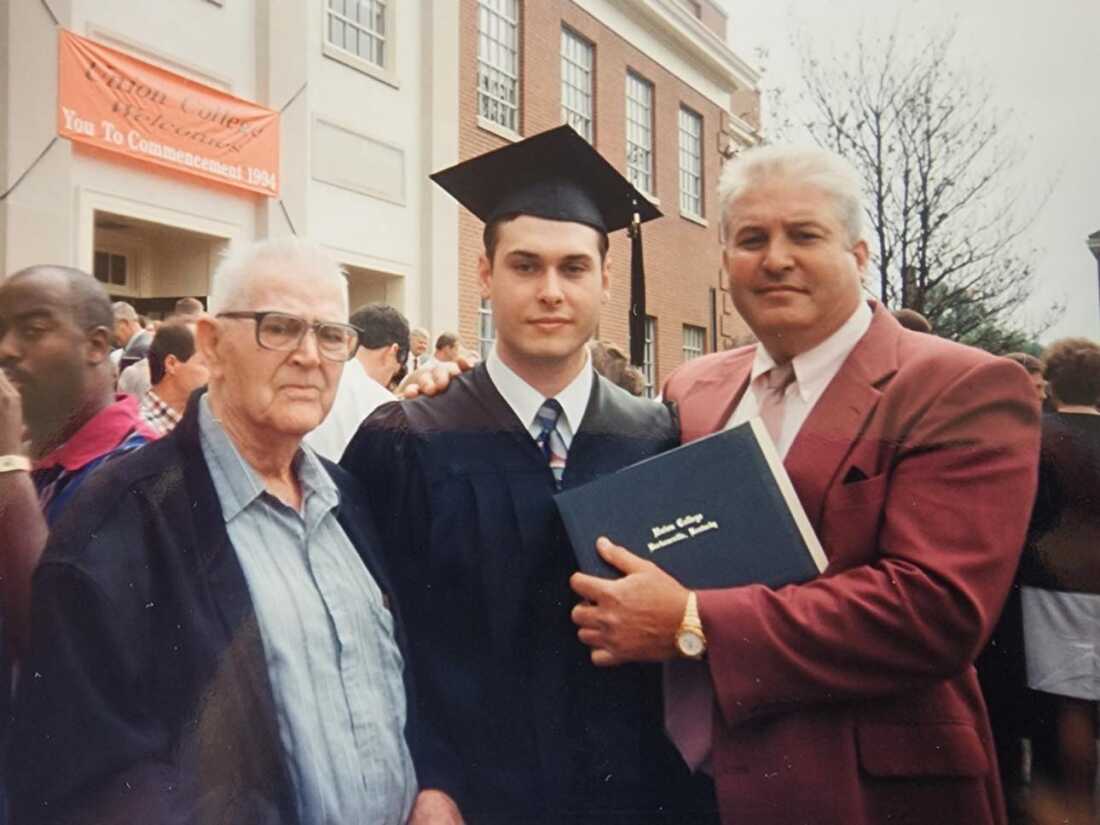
<point x="110" y="268"/>
<point x="359" y="27"/>
<point x="694" y="341"/>
<point x="576" y="83"/>
<point x="498" y="62"/>
<point x="649" y="356"/>
<point x="486" y="329"/>
<point x="639" y="132"/>
<point x="691" y="162"/>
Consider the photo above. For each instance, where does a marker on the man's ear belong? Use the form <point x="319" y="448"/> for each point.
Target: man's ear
<point x="862" y="254"/>
<point x="99" y="345"/>
<point x="605" y="278"/>
<point x="484" y="276"/>
<point x="171" y="364"/>
<point x="208" y="333"/>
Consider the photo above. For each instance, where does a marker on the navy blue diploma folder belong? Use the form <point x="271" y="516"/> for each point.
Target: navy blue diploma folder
<point x="718" y="512"/>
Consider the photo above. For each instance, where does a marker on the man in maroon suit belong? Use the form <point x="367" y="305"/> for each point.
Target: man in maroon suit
<point x="851" y="699"/>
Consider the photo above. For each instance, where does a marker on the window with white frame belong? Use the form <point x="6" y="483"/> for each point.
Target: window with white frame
<point x="498" y="62"/>
<point x="358" y="27"/>
<point x="694" y="341"/>
<point x="576" y="82"/>
<point x="649" y="356"/>
<point x="691" y="162"/>
<point x="486" y="329"/>
<point x="639" y="132"/>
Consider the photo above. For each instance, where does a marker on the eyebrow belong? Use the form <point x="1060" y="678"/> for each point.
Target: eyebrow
<point x="33" y="315"/>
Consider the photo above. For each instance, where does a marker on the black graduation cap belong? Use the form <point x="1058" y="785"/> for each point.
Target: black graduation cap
<point x="557" y="175"/>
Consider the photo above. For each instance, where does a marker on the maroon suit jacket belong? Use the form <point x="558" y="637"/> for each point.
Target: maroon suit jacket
<point x="852" y="699"/>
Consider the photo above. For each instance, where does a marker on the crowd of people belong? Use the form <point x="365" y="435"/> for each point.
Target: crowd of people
<point x="273" y="561"/>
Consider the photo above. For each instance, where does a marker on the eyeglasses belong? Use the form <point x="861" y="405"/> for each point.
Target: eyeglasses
<point x="282" y="332"/>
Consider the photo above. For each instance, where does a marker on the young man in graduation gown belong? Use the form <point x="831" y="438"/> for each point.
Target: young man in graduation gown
<point x="520" y="727"/>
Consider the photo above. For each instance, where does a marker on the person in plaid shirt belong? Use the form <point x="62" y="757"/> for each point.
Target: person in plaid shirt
<point x="176" y="370"/>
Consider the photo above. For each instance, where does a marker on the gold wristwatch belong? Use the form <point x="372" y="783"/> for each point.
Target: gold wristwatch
<point x="14" y="463"/>
<point x="690" y="640"/>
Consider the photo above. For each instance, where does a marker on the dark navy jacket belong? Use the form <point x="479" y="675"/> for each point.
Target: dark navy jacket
<point x="146" y="696"/>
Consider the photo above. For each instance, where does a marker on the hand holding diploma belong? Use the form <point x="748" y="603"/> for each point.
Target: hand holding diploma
<point x="632" y="619"/>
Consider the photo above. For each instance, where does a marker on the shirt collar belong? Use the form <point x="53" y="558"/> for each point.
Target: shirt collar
<point x="99" y="435"/>
<point x="817" y="366"/>
<point x="525" y="400"/>
<point x="238" y="484"/>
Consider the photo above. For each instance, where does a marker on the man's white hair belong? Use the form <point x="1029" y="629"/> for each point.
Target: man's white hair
<point x="246" y="264"/>
<point x="124" y="311"/>
<point x="825" y="170"/>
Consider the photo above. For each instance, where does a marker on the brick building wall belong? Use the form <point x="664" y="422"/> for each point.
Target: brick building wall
<point x="682" y="255"/>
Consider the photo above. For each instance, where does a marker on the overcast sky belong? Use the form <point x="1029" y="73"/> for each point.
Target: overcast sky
<point x="1043" y="63"/>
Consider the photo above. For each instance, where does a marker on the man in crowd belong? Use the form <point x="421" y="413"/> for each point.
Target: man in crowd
<point x="447" y="350"/>
<point x="176" y="370"/>
<point x="135" y="379"/>
<point x="132" y="338"/>
<point x="212" y="639"/>
<point x="1035" y="370"/>
<point x="850" y="699"/>
<point x="383" y="347"/>
<point x="56" y="391"/>
<point x="418" y="345"/>
<point x="516" y="724"/>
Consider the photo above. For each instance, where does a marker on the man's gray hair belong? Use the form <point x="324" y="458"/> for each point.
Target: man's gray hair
<point x="124" y="311"/>
<point x="420" y="332"/>
<point x="825" y="170"/>
<point x="247" y="263"/>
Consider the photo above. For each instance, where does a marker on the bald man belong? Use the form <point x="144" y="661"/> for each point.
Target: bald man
<point x="59" y="415"/>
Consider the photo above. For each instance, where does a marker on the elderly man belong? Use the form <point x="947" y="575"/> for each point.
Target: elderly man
<point x="851" y="699"/>
<point x="56" y="384"/>
<point x="212" y="638"/>
<point x="418" y="345"/>
<point x="176" y="369"/>
<point x="132" y="338"/>
<point x="383" y="347"/>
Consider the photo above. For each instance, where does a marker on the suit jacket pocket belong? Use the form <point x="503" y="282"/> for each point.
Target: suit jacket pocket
<point x="950" y="750"/>
<point x="867" y="492"/>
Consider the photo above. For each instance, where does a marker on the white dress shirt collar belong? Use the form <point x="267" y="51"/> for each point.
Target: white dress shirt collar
<point x="525" y="400"/>
<point x="815" y="368"/>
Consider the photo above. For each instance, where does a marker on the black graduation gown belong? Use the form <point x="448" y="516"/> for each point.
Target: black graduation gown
<point x="518" y="725"/>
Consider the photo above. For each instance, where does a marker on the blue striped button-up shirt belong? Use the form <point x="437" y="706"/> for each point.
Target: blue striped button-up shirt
<point x="332" y="658"/>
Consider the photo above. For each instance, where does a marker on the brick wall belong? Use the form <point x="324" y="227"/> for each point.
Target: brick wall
<point x="682" y="257"/>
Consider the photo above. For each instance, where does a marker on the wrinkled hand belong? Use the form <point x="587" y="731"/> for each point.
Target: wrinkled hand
<point x="435" y="380"/>
<point x="435" y="808"/>
<point x="632" y="619"/>
<point x="11" y="417"/>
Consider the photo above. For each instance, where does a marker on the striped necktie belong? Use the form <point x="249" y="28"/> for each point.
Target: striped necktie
<point x="550" y="440"/>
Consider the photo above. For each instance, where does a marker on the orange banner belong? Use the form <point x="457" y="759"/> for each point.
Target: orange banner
<point x="108" y="99"/>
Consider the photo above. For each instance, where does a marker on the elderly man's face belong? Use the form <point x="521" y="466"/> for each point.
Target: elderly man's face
<point x="43" y="350"/>
<point x="794" y="274"/>
<point x="418" y="345"/>
<point x="286" y="393"/>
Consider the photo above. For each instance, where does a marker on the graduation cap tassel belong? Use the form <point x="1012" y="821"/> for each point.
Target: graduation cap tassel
<point x="637" y="292"/>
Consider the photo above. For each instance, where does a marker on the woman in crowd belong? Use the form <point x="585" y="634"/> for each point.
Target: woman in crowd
<point x="1061" y="577"/>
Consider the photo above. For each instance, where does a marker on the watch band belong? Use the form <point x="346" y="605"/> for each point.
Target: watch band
<point x="691" y="614"/>
<point x="14" y="463"/>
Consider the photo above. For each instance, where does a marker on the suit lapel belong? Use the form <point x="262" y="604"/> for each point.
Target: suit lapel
<point x="709" y="402"/>
<point x="839" y="418"/>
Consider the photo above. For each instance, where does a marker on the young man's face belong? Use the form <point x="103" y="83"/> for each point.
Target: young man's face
<point x="546" y="283"/>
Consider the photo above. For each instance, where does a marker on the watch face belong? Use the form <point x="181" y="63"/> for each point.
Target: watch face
<point x="690" y="644"/>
